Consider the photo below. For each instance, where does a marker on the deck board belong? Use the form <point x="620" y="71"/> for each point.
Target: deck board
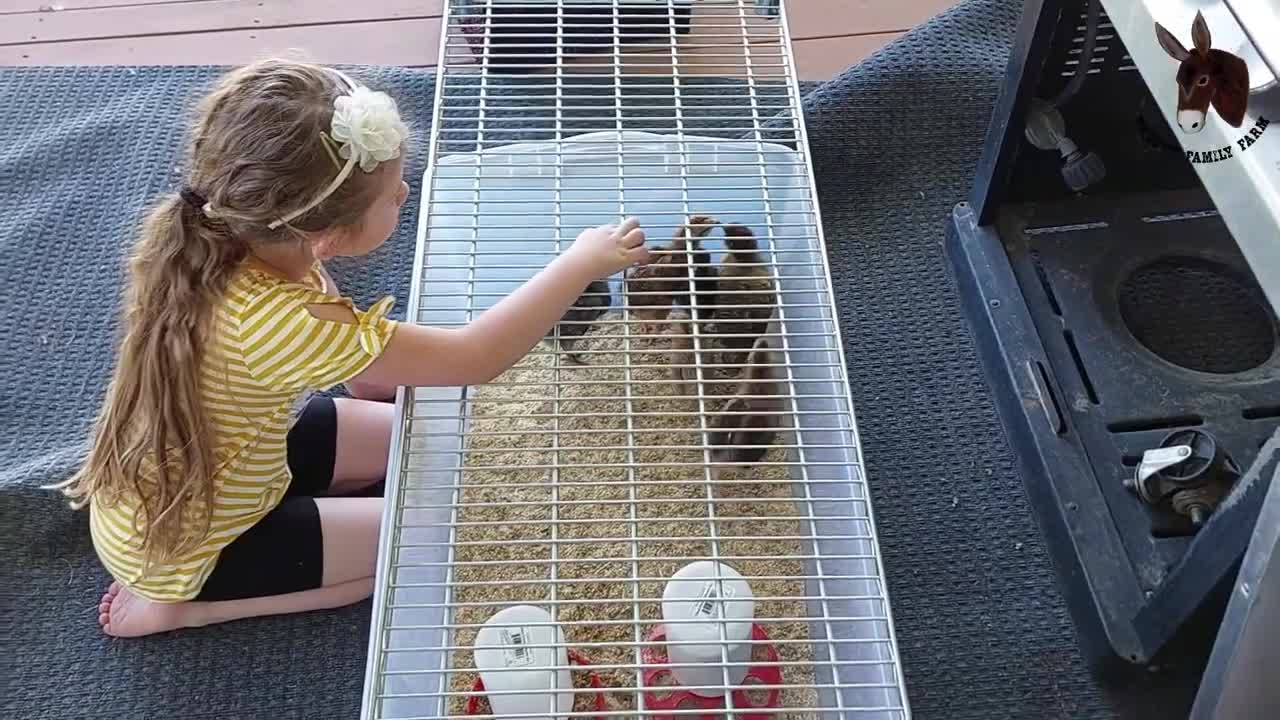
<point x="828" y="35"/>
<point x="131" y="21"/>
<point x="388" y="42"/>
<point x="812" y="19"/>
<point x="13" y="7"/>
<point x="825" y="58"/>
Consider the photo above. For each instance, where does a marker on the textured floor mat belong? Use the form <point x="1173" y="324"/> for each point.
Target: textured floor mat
<point x="982" y="628"/>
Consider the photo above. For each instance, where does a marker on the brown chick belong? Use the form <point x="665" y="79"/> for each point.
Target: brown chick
<point x="748" y="424"/>
<point x="746" y="296"/>
<point x="655" y="289"/>
<point x="588" y="308"/>
<point x="683" y="357"/>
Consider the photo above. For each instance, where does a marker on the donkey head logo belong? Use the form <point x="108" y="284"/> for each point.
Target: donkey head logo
<point x="1206" y="77"/>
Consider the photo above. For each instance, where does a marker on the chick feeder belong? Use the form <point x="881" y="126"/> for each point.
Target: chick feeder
<point x="702" y="601"/>
<point x="515" y="652"/>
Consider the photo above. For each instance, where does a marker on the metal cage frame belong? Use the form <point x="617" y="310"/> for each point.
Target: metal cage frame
<point x="770" y="135"/>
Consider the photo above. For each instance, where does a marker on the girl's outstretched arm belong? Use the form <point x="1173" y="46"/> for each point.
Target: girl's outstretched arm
<point x="500" y="336"/>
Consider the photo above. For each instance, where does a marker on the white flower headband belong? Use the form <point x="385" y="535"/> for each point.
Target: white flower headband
<point x="366" y="129"/>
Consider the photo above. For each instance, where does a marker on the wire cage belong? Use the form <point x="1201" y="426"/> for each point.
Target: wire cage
<point x="661" y="510"/>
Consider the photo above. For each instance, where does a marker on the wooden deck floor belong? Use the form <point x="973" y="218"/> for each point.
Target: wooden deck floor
<point x="828" y="35"/>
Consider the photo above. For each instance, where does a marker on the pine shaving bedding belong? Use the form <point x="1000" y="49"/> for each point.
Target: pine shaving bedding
<point x="506" y="516"/>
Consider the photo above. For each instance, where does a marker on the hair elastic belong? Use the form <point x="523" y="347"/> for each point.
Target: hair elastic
<point x="192" y="198"/>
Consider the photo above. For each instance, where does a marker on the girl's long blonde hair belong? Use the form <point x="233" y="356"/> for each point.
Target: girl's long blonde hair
<point x="256" y="151"/>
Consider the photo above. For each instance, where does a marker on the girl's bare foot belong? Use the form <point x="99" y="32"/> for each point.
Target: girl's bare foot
<point x="123" y="614"/>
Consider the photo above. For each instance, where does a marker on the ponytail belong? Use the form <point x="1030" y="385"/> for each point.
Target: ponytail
<point x="257" y="145"/>
<point x="153" y="437"/>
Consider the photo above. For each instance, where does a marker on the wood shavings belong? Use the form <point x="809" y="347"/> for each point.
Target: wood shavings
<point x="611" y="501"/>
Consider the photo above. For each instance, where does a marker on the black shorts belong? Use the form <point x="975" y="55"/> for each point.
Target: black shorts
<point x="284" y="551"/>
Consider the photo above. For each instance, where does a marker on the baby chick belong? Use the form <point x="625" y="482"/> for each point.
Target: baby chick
<point x="749" y="422"/>
<point x="746" y="294"/>
<point x="682" y="356"/>
<point x="594" y="302"/>
<point x="655" y="289"/>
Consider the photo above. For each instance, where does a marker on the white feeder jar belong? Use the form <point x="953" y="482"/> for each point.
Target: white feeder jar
<point x="695" y="606"/>
<point x="509" y="659"/>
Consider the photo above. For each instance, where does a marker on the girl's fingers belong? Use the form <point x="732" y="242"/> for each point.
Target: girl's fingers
<point x="637" y="255"/>
<point x="633" y="238"/>
<point x="627" y="226"/>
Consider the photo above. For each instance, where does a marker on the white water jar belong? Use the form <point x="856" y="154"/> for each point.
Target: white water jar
<point x="695" y="606"/>
<point x="509" y="659"/>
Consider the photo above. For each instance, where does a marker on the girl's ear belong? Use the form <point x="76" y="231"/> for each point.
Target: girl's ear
<point x="323" y="246"/>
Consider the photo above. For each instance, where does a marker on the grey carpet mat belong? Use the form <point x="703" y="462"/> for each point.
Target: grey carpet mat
<point x="982" y="628"/>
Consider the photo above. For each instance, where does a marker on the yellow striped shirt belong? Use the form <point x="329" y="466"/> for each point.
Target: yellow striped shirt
<point x="266" y="350"/>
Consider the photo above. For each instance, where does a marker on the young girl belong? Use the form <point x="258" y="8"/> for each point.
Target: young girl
<point x="210" y="498"/>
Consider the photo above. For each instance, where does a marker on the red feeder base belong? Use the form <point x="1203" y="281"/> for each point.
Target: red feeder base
<point x="662" y="693"/>
<point x="575" y="658"/>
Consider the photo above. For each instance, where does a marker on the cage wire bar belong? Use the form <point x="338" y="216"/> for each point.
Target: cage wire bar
<point x="581" y="488"/>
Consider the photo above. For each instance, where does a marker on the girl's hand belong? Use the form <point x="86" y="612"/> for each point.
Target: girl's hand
<point x="605" y="250"/>
<point x="488" y="345"/>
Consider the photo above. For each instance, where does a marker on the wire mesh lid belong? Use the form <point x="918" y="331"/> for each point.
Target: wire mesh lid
<point x="692" y="418"/>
